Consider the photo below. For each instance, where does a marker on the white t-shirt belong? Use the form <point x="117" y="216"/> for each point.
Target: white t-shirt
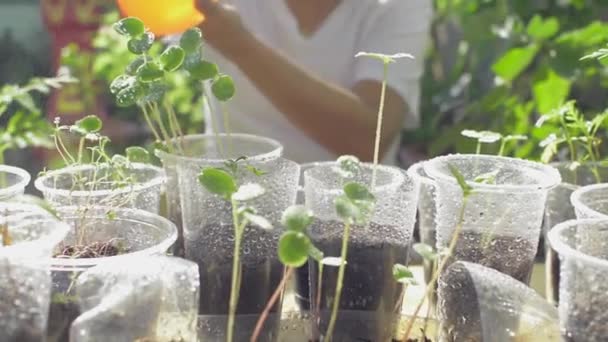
<point x="383" y="26"/>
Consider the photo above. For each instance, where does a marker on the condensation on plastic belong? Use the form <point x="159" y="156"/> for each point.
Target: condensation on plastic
<point x="482" y="304"/>
<point x="13" y="181"/>
<point x="139" y="232"/>
<point x="138" y="299"/>
<point x="502" y="220"/>
<point x="74" y="186"/>
<point x="25" y="280"/>
<point x="590" y="201"/>
<point x="582" y="246"/>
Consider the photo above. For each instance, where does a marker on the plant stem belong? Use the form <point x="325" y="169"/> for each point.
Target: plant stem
<point x="501" y="151"/>
<point x="573" y="153"/>
<point x="478" y="149"/>
<point x="379" y="126"/>
<point x="150" y="124"/>
<point x="431" y="285"/>
<point x="161" y="124"/>
<point x="270" y="304"/>
<point x="235" y="282"/>
<point x="214" y="127"/>
<point x="336" y="304"/>
<point x="227" y="128"/>
<point x="80" y="150"/>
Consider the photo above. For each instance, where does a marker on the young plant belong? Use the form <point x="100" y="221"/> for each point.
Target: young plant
<point x="577" y="133"/>
<point x="145" y="80"/>
<point x="294" y="249"/>
<point x="224" y="183"/>
<point x="489" y="137"/>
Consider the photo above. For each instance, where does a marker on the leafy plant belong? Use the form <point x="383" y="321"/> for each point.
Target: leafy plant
<point x="224" y="182"/>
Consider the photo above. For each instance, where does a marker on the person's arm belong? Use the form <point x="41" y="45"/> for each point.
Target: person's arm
<point x="343" y="120"/>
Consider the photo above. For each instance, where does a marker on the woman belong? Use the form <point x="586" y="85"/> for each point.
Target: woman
<point x="298" y="80"/>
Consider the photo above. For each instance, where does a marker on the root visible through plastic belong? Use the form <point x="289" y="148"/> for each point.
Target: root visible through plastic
<point x="95" y="249"/>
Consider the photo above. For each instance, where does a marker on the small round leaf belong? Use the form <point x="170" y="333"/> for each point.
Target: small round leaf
<point x="203" y="70"/>
<point x="136" y="154"/>
<point x="297" y="218"/>
<point x="191" y="40"/>
<point x="131" y="69"/>
<point x="142" y="44"/>
<point x="347" y="210"/>
<point x="121" y="82"/>
<point x="358" y="192"/>
<point x="89" y="124"/>
<point x="150" y="72"/>
<point x="218" y="182"/>
<point x="293" y="248"/>
<point x="223" y="88"/>
<point x="129" y="95"/>
<point x="130" y="26"/>
<point x="172" y="58"/>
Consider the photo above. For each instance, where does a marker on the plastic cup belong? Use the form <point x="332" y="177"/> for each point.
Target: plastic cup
<point x="72" y="186"/>
<point x="582" y="246"/>
<point x="590" y="201"/>
<point x="13" y="181"/>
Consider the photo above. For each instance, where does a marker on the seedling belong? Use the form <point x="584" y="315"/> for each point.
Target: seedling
<point x="224" y="183"/>
<point x="294" y="249"/>
<point x="145" y="82"/>
<point x="489" y="137"/>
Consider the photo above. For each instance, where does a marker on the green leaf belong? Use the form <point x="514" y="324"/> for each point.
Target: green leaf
<point x="402" y="274"/>
<point x="121" y="82"/>
<point x="130" y="26"/>
<point x="315" y="253"/>
<point x="223" y="88"/>
<point x="297" y="218"/>
<point x="218" y="182"/>
<point x="466" y="188"/>
<point x="540" y="29"/>
<point x="131" y="69"/>
<point x="254" y="170"/>
<point x="89" y="124"/>
<point x="425" y="251"/>
<point x="142" y="44"/>
<point x="128" y="96"/>
<point x="150" y="72"/>
<point x="550" y="90"/>
<point x="347" y="210"/>
<point x="203" y="70"/>
<point x="514" y="62"/>
<point x="172" y="58"/>
<point x="294" y="248"/>
<point x="386" y="59"/>
<point x="248" y="192"/>
<point x="191" y="40"/>
<point x="258" y="220"/>
<point x="513" y="137"/>
<point x="487" y="137"/>
<point x="348" y="166"/>
<point x="358" y="192"/>
<point x="136" y="154"/>
<point x="487" y="178"/>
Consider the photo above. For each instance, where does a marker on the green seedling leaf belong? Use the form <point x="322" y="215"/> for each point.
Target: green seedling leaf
<point x="294" y="248"/>
<point x="111" y="215"/>
<point x="348" y="166"/>
<point x="136" y="154"/>
<point x="218" y="182"/>
<point x="542" y="29"/>
<point x="386" y="59"/>
<point x="141" y="44"/>
<point x="172" y="58"/>
<point x="403" y="275"/>
<point x="254" y="170"/>
<point x="223" y="88"/>
<point x="315" y="253"/>
<point x="121" y="82"/>
<point x="515" y="137"/>
<point x="257" y="220"/>
<point x="119" y="160"/>
<point x="131" y="26"/>
<point x="332" y="261"/>
<point x="347" y="210"/>
<point x="487" y="137"/>
<point x="131" y="69"/>
<point x="358" y="192"/>
<point x="203" y="70"/>
<point x="153" y="92"/>
<point x="487" y="178"/>
<point x="425" y="251"/>
<point x="466" y="188"/>
<point x="150" y="72"/>
<point x="89" y="124"/>
<point x="248" y="192"/>
<point x="130" y="95"/>
<point x="297" y="218"/>
<point x="191" y="40"/>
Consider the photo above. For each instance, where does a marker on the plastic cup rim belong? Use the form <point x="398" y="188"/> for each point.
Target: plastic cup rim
<point x="17" y="187"/>
<point x="577" y="203"/>
<point x="563" y="249"/>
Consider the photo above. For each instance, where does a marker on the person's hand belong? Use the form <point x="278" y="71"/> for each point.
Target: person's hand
<point x="222" y="27"/>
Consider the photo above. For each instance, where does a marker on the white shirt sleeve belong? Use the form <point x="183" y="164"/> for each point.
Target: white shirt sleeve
<point x="397" y="26"/>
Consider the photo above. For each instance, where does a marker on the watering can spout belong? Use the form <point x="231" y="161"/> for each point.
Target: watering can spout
<point x="163" y="17"/>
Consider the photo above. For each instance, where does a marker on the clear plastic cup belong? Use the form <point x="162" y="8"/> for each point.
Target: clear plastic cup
<point x="590" y="201"/>
<point x="13" y="181"/>
<point x="582" y="246"/>
<point x="73" y="185"/>
<point x="373" y="248"/>
<point x="137" y="232"/>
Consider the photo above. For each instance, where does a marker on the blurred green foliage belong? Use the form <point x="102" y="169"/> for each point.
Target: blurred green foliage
<point x="499" y="65"/>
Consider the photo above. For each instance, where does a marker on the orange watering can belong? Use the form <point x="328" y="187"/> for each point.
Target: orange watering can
<point x="163" y="17"/>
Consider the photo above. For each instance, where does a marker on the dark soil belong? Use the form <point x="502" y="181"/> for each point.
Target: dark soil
<point x="369" y="285"/>
<point x="458" y="302"/>
<point x="261" y="272"/>
<point x="92" y="250"/>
